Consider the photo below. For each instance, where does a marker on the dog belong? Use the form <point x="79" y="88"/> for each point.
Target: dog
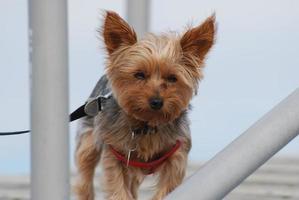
<point x="143" y="127"/>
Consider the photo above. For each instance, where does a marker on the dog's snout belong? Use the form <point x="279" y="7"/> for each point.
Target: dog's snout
<point x="156" y="103"/>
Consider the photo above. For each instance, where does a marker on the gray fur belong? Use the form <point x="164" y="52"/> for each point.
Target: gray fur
<point x="86" y="124"/>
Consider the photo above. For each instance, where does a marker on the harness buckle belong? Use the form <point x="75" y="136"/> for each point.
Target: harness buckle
<point x="94" y="105"/>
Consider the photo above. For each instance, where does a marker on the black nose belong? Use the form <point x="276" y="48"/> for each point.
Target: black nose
<point x="156" y="103"/>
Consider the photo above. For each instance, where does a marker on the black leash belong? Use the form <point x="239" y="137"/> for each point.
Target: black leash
<point x="91" y="108"/>
<point x="14" y="133"/>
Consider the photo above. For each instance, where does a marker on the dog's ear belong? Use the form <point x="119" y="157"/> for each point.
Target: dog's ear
<point x="117" y="32"/>
<point x="197" y="41"/>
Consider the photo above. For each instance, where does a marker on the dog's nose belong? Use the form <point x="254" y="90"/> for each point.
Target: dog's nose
<point x="156" y="103"/>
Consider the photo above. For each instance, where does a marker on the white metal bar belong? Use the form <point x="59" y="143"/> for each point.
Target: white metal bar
<point x="138" y="15"/>
<point x="49" y="100"/>
<point x="244" y="155"/>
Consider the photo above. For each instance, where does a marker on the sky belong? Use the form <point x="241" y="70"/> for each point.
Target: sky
<point x="252" y="67"/>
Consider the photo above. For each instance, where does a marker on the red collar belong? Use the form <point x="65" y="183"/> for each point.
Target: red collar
<point x="151" y="166"/>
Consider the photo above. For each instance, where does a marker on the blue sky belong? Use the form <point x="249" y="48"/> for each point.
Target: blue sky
<point x="254" y="65"/>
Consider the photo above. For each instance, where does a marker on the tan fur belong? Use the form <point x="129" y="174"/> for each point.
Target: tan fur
<point x="172" y="67"/>
<point x="87" y="157"/>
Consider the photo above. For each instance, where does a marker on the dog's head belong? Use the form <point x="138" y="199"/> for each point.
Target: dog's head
<point x="153" y="79"/>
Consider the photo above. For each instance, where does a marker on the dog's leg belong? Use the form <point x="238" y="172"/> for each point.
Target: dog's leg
<point x="136" y="180"/>
<point x="87" y="157"/>
<point x="116" y="178"/>
<point x="171" y="174"/>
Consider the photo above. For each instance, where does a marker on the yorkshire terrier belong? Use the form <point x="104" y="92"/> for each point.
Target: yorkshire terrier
<point x="143" y="127"/>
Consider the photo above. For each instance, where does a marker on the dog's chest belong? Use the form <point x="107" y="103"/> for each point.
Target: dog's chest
<point x="141" y="147"/>
<point x="152" y="146"/>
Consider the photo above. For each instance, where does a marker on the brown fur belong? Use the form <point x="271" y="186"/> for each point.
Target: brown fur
<point x="172" y="67"/>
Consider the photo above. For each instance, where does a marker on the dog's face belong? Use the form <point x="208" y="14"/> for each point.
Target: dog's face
<point x="154" y="79"/>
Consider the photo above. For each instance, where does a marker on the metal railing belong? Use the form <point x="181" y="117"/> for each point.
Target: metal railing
<point x="244" y="155"/>
<point x="138" y="12"/>
<point x="49" y="100"/>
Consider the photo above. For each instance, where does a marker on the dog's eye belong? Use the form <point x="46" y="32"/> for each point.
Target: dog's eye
<point x="172" y="79"/>
<point x="139" y="75"/>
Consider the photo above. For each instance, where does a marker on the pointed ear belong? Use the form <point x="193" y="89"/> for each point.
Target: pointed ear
<point x="117" y="32"/>
<point x="198" y="41"/>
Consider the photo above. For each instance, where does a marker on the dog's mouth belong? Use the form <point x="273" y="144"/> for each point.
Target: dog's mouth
<point x="154" y="117"/>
